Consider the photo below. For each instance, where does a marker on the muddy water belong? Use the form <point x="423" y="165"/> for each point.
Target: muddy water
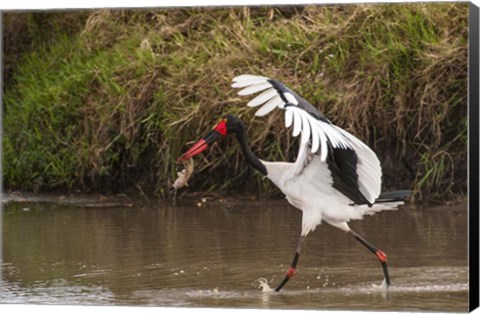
<point x="216" y="255"/>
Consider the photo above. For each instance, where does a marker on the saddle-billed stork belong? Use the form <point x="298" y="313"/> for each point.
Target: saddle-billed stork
<point x="335" y="177"/>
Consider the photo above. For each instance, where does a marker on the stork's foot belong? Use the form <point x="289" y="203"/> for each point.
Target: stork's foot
<point x="387" y="281"/>
<point x="385" y="284"/>
<point x="383" y="287"/>
<point x="291" y="271"/>
<point x="289" y="274"/>
<point x="382" y="258"/>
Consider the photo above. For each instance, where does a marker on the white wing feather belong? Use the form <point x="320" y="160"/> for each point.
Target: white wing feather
<point x="262" y="98"/>
<point x="306" y="130"/>
<point x="244" y="83"/>
<point x="291" y="99"/>
<point x="288" y="118"/>
<point x="316" y="143"/>
<point x="254" y="88"/>
<point x="269" y="106"/>
<point x="297" y="123"/>
<point x="249" y="77"/>
<point x="318" y="131"/>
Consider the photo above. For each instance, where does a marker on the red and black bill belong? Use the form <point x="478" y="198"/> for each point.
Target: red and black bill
<point x="213" y="136"/>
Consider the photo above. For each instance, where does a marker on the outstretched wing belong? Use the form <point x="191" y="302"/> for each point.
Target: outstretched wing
<point x="275" y="95"/>
<point x="305" y="118"/>
<point x="355" y="168"/>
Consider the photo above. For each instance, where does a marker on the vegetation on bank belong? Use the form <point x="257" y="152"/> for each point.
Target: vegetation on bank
<point x="107" y="100"/>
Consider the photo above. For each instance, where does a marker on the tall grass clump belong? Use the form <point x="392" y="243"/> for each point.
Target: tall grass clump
<point x="112" y="105"/>
<point x="23" y="32"/>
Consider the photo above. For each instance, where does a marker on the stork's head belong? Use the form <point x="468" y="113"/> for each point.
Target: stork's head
<point x="228" y="124"/>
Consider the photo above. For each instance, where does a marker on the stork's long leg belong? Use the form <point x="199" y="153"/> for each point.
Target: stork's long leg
<point x="382" y="257"/>
<point x="292" y="270"/>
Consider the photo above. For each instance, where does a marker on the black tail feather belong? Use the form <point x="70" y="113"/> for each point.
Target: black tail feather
<point x="393" y="196"/>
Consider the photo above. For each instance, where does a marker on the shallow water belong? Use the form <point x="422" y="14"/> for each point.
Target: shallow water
<point x="103" y="251"/>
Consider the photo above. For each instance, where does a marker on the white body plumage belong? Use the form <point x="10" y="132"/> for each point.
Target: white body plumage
<point x="308" y="183"/>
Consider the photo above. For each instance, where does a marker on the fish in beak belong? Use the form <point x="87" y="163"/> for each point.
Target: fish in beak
<point x="217" y="133"/>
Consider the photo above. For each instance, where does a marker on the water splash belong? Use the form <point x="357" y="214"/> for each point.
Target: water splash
<point x="264" y="285"/>
<point x="381" y="287"/>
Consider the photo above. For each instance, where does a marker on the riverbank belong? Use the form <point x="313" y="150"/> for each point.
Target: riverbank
<point x="106" y="100"/>
<point x="196" y="199"/>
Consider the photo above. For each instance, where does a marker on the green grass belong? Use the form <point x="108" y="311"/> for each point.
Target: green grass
<point x="111" y="102"/>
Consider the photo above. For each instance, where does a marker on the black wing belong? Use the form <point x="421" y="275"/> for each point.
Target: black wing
<point x="355" y="168"/>
<point x="343" y="166"/>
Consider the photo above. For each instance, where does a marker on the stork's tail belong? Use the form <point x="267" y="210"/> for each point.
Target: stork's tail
<point x="388" y="201"/>
<point x="393" y="196"/>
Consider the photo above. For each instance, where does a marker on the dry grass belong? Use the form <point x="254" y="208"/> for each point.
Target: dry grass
<point x="117" y="103"/>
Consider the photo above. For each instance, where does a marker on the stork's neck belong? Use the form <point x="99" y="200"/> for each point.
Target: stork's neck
<point x="249" y="155"/>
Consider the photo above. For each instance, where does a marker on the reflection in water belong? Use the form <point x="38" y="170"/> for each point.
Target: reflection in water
<point x="215" y="255"/>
